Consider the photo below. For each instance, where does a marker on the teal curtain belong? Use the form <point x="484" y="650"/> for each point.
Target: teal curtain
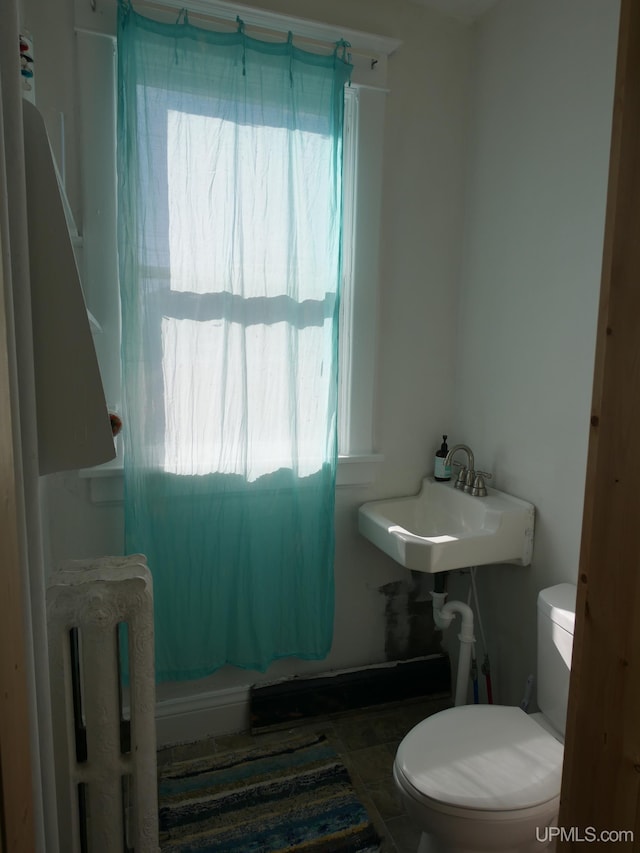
<point x="229" y="207"/>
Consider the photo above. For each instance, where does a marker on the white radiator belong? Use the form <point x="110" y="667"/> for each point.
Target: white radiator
<point x="105" y="764"/>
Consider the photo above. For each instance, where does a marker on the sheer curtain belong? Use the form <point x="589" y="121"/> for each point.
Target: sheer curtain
<point x="229" y="181"/>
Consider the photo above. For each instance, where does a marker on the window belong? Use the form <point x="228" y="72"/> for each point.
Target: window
<point x="237" y="320"/>
<point x="364" y="113"/>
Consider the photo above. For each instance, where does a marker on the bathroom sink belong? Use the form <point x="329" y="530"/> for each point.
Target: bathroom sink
<point x="444" y="528"/>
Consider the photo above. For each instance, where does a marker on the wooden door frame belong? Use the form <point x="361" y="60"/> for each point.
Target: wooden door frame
<point x="601" y="776"/>
<point x="17" y="834"/>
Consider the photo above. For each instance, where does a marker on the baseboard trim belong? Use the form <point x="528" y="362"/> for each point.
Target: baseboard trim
<point x="202" y="715"/>
<point x="219" y="712"/>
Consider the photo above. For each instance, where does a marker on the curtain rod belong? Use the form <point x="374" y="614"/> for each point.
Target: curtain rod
<point x="273" y="23"/>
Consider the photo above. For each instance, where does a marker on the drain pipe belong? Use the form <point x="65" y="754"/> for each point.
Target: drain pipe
<point x="443" y="615"/>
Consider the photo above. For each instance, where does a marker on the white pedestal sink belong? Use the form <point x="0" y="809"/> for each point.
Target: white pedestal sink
<point x="444" y="528"/>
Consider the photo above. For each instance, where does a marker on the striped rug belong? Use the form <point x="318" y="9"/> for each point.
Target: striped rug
<point x="293" y="796"/>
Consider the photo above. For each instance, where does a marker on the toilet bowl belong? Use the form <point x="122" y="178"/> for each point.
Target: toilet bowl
<point x="487" y="777"/>
<point x="480" y="777"/>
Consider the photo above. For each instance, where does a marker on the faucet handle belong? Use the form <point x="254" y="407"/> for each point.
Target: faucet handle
<point x="479" y="489"/>
<point x="469" y="480"/>
<point x="462" y="475"/>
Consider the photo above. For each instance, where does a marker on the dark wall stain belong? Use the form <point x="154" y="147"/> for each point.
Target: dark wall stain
<point x="410" y="631"/>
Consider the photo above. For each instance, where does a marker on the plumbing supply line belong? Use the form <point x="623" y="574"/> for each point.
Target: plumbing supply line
<point x="473" y="570"/>
<point x="486" y="671"/>
<point x="443" y="615"/>
<point x="486" y="666"/>
<point x="474" y="679"/>
<point x="474" y="662"/>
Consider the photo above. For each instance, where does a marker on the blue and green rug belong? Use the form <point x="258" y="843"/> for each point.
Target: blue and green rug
<point x="293" y="796"/>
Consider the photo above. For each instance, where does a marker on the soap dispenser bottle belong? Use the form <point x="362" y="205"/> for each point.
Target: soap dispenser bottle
<point x="442" y="472"/>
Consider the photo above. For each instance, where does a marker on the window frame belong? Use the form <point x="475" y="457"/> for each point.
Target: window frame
<point x="362" y="203"/>
<point x="363" y="157"/>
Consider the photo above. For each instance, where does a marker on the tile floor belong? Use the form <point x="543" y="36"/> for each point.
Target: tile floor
<point x="366" y="740"/>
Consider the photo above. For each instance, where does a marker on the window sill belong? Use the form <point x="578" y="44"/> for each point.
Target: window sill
<point x="106" y="482"/>
<point x="358" y="470"/>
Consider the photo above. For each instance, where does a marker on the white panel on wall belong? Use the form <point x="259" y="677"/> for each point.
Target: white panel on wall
<point x="73" y="423"/>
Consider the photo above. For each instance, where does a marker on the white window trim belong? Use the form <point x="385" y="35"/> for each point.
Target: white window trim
<point x="364" y="122"/>
<point x="363" y="204"/>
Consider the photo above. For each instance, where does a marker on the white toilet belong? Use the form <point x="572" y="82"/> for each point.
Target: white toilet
<point x="487" y="777"/>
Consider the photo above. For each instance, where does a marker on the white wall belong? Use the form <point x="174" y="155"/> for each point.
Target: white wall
<point x="543" y="78"/>
<point x="425" y="142"/>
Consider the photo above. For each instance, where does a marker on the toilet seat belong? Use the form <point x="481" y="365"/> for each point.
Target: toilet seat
<point x="480" y="759"/>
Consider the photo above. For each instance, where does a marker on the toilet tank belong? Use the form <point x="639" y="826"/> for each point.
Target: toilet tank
<point x="556" y="618"/>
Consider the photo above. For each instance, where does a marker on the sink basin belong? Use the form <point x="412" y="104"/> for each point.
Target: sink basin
<point x="444" y="528"/>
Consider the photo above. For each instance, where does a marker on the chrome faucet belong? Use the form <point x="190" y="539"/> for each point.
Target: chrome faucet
<point x="466" y="473"/>
<point x="469" y="480"/>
